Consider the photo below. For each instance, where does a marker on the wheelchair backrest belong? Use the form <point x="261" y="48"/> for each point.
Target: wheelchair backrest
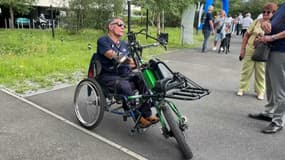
<point x="95" y="67"/>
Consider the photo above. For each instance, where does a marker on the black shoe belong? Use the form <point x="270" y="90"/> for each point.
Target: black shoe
<point x="272" y="128"/>
<point x="260" y="116"/>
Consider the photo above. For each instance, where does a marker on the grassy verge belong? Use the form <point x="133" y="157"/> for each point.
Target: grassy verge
<point x="32" y="59"/>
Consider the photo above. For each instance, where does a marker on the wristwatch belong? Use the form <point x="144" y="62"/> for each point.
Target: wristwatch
<point x="273" y="37"/>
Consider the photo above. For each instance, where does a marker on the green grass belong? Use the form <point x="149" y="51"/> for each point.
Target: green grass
<point x="32" y="59"/>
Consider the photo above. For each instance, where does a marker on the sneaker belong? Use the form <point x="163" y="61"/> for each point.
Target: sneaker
<point x="260" y="96"/>
<point x="152" y="119"/>
<point x="240" y="93"/>
<point x="144" y="123"/>
<point x="214" y="48"/>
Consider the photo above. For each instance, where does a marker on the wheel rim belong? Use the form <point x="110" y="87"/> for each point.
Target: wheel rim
<point x="87" y="104"/>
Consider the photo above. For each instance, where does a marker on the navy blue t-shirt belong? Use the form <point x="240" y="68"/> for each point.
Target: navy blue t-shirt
<point x="103" y="45"/>
<point x="206" y="19"/>
<point x="278" y="25"/>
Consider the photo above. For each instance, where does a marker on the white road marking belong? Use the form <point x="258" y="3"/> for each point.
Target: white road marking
<point x="103" y="139"/>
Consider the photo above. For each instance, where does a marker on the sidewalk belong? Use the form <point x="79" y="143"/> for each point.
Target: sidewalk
<point x="27" y="133"/>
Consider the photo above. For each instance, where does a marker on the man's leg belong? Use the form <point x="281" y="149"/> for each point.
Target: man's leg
<point x="139" y="84"/>
<point x="278" y="78"/>
<point x="206" y="34"/>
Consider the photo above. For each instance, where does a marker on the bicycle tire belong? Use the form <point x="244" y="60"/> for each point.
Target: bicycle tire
<point x="177" y="132"/>
<point x="89" y="102"/>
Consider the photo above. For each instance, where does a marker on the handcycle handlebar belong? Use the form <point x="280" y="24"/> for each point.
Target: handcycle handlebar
<point x="132" y="40"/>
<point x="167" y="84"/>
<point x="150" y="45"/>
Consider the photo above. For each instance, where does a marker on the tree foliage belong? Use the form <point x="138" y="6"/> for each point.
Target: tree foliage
<point x="164" y="9"/>
<point x="18" y="6"/>
<point x="92" y="13"/>
<point x="252" y="6"/>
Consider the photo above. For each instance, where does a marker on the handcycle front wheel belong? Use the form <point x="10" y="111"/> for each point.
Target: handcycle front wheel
<point x="176" y="131"/>
<point x="89" y="102"/>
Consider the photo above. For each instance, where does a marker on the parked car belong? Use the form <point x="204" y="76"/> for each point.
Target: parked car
<point x="22" y="21"/>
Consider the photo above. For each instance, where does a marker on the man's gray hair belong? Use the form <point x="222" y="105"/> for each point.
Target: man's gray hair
<point x="111" y="20"/>
<point x="210" y="8"/>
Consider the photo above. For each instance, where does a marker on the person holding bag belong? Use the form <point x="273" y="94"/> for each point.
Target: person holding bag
<point x="247" y="50"/>
<point x="219" y="28"/>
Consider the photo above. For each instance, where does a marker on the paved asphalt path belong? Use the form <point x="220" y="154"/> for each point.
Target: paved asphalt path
<point x="219" y="126"/>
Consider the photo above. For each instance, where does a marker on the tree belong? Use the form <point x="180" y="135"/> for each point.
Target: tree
<point x="92" y="13"/>
<point x="158" y="8"/>
<point x="18" y="6"/>
<point x="252" y="6"/>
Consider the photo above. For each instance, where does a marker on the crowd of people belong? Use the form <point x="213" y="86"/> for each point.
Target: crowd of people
<point x="223" y="24"/>
<point x="269" y="77"/>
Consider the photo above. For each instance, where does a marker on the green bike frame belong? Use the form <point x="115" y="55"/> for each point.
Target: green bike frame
<point x="149" y="78"/>
<point x="172" y="107"/>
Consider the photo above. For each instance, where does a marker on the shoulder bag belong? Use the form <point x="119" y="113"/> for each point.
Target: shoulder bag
<point x="261" y="52"/>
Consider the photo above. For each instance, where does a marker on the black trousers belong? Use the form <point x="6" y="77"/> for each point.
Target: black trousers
<point x="126" y="86"/>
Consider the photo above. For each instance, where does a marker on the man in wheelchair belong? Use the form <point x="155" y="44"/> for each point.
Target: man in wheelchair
<point x="116" y="72"/>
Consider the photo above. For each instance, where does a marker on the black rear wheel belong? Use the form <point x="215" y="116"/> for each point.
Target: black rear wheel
<point x="176" y="131"/>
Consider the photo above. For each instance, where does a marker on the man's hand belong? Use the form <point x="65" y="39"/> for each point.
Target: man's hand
<point x="265" y="39"/>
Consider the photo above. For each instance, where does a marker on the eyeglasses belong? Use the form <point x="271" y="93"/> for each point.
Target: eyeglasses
<point x="120" y="24"/>
<point x="267" y="12"/>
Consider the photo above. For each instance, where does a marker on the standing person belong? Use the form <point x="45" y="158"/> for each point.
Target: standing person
<point x="109" y="50"/>
<point x="219" y="28"/>
<point x="238" y="27"/>
<point x="235" y="23"/>
<point x="208" y="27"/>
<point x="275" y="72"/>
<point x="247" y="49"/>
<point x="246" y="21"/>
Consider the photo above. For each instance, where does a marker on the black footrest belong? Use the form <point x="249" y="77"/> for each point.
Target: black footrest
<point x="188" y="93"/>
<point x="189" y="90"/>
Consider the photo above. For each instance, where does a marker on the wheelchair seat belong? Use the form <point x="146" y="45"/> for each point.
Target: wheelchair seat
<point x="94" y="71"/>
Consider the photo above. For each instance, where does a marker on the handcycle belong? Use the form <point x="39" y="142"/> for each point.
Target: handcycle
<point x="92" y="98"/>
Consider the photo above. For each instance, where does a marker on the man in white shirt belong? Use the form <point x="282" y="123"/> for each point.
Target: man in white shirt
<point x="246" y="21"/>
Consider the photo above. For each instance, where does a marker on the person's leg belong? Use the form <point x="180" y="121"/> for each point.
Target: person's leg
<point x="259" y="83"/>
<point x="229" y="36"/>
<point x="278" y="79"/>
<point x="206" y="34"/>
<point x="217" y="38"/>
<point x="139" y="84"/>
<point x="222" y="45"/>
<point x="242" y="34"/>
<point x="271" y="106"/>
<point x="277" y="75"/>
<point x="246" y="73"/>
<point x="238" y="29"/>
<point x="145" y="109"/>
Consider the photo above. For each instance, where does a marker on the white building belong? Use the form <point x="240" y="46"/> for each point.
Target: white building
<point x="53" y="3"/>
